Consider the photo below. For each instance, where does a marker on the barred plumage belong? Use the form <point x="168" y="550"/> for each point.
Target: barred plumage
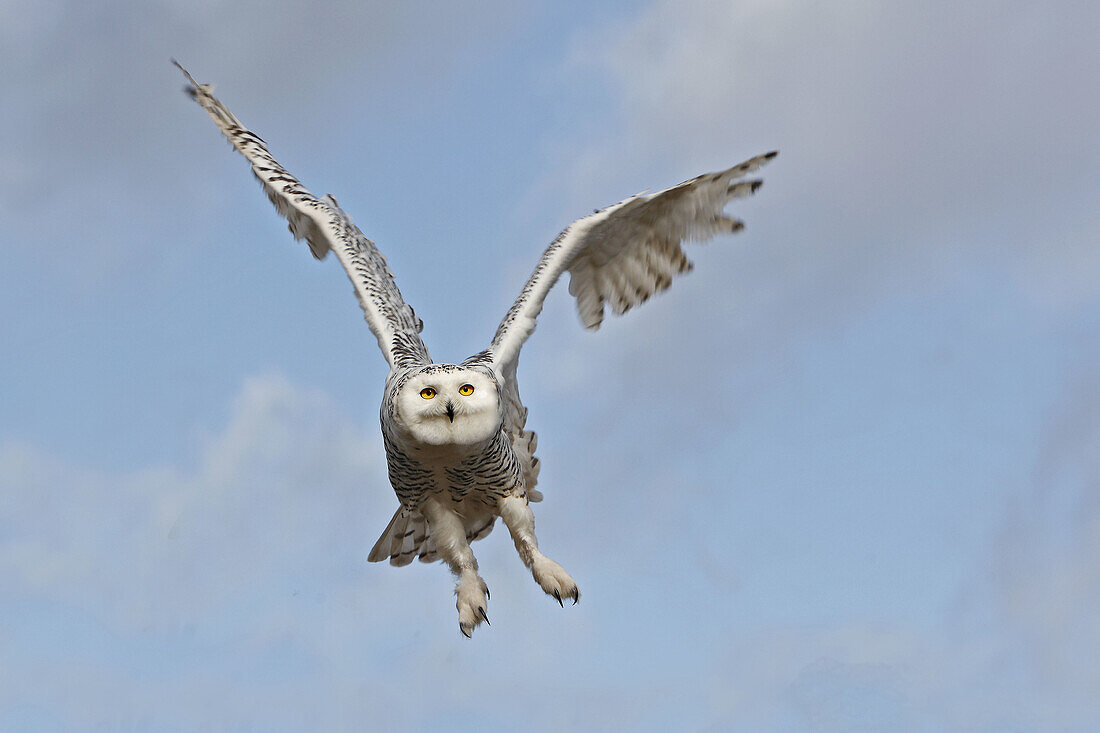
<point x="457" y="447"/>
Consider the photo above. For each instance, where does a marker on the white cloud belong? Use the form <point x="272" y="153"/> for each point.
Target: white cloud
<point x="163" y="545"/>
<point x="918" y="108"/>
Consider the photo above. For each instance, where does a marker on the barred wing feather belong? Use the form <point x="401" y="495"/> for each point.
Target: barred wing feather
<point x="622" y="255"/>
<point x="325" y="226"/>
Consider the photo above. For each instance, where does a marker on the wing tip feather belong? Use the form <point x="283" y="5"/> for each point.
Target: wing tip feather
<point x="193" y="87"/>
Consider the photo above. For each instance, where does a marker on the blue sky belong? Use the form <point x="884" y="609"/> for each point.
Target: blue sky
<point x="844" y="476"/>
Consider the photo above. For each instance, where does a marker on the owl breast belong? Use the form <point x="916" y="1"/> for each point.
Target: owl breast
<point x="459" y="474"/>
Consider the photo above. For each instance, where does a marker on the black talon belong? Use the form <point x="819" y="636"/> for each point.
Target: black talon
<point x="576" y="595"/>
<point x="464" y="631"/>
<point x="483" y="616"/>
<point x="487" y="596"/>
<point x="558" y="596"/>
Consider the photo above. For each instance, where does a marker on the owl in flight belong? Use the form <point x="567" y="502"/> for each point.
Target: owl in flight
<point x="457" y="446"/>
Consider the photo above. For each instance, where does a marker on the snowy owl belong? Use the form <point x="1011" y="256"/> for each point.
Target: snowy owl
<point x="457" y="446"/>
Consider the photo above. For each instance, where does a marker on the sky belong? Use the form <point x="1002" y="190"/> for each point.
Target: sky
<point x="845" y="476"/>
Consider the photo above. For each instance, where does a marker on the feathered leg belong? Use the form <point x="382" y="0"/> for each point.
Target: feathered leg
<point x="520" y="520"/>
<point x="450" y="541"/>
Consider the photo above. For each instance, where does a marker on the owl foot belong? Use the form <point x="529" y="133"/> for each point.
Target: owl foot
<point x="554" y="580"/>
<point x="473" y="597"/>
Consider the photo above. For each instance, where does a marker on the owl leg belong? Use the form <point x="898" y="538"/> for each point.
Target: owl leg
<point x="520" y="520"/>
<point x="450" y="541"/>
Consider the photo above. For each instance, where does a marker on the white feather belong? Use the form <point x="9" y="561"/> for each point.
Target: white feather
<point x="603" y="251"/>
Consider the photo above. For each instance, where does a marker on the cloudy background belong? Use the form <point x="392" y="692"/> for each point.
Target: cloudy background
<point x="845" y="476"/>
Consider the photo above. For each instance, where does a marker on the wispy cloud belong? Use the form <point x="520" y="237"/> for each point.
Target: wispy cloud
<point x="164" y="545"/>
<point x="253" y="560"/>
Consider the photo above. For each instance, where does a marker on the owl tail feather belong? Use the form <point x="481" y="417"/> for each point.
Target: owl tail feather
<point x="408" y="537"/>
<point x="402" y="538"/>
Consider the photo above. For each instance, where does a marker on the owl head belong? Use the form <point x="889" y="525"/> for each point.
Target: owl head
<point x="445" y="404"/>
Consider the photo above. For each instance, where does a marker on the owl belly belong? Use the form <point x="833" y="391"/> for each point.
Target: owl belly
<point x="483" y="474"/>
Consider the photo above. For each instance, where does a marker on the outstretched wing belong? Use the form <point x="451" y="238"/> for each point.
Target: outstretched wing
<point x="623" y="254"/>
<point x="325" y="226"/>
<point x="619" y="256"/>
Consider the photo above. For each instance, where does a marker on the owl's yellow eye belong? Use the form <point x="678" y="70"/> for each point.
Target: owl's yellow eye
<point x="427" y="393"/>
<point x="466" y="390"/>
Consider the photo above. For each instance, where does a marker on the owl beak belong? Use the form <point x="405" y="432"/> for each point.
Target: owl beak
<point x="450" y="411"/>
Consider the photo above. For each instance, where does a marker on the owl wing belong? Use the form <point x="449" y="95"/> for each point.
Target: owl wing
<point x="621" y="255"/>
<point x="618" y="256"/>
<point x="325" y="226"/>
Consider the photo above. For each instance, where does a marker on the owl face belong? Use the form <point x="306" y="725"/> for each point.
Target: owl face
<point x="449" y="405"/>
